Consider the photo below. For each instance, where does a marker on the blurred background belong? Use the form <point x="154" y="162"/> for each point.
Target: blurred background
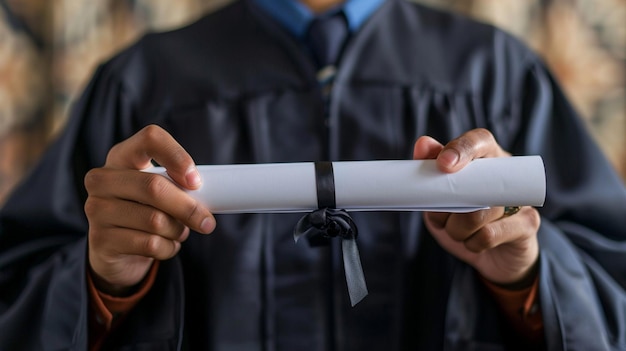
<point x="50" y="48"/>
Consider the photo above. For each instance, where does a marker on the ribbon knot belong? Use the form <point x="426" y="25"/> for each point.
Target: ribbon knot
<point x="330" y="223"/>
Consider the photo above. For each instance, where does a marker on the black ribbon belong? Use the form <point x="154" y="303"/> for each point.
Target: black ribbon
<point x="328" y="222"/>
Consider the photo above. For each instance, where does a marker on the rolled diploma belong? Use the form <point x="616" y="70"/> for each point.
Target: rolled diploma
<point x="405" y="185"/>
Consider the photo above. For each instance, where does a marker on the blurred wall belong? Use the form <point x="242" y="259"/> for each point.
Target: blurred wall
<point x="49" y="49"/>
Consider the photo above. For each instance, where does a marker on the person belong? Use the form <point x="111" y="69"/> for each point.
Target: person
<point x="95" y="253"/>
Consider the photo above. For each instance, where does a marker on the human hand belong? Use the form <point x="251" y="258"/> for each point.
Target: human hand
<point x="136" y="217"/>
<point x="504" y="250"/>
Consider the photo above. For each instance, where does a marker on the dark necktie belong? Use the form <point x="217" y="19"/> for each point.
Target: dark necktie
<point x="325" y="38"/>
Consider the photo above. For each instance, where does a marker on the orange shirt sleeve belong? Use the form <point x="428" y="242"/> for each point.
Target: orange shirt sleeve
<point x="106" y="311"/>
<point x="521" y="308"/>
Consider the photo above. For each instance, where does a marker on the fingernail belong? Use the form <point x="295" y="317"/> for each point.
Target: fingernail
<point x="193" y="177"/>
<point x="207" y="225"/>
<point x="449" y="156"/>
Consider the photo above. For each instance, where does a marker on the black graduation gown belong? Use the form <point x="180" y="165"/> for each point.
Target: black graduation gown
<point x="234" y="88"/>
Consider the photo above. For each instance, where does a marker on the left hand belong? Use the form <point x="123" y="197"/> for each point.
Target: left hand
<point x="504" y="250"/>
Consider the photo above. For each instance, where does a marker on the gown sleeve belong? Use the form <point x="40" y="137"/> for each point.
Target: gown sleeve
<point x="582" y="236"/>
<point x="43" y="229"/>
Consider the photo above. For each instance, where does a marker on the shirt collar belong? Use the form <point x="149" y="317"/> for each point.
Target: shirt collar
<point x="296" y="17"/>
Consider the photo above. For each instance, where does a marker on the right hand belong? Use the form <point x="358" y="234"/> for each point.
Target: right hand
<point x="136" y="217"/>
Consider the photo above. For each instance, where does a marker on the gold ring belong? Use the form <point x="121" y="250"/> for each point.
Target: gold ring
<point x="510" y="210"/>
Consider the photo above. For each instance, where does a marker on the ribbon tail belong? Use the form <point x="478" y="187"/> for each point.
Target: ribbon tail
<point x="355" y="279"/>
<point x="302" y="228"/>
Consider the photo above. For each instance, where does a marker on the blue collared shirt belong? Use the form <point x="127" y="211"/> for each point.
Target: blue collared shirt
<point x="296" y="17"/>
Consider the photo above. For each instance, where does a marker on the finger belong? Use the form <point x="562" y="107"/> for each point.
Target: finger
<point x="435" y="222"/>
<point x="154" y="143"/>
<point x="461" y="226"/>
<point x="438" y="219"/>
<point x="426" y="148"/>
<point x="476" y="143"/>
<point x="123" y="241"/>
<point x="506" y="230"/>
<point x="152" y="190"/>
<point x="112" y="213"/>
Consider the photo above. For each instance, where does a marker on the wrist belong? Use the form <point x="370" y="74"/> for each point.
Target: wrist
<point x="121" y="290"/>
<point x="115" y="290"/>
<point x="526" y="281"/>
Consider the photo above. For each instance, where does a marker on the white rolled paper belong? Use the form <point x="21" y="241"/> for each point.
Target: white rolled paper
<point x="373" y="186"/>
